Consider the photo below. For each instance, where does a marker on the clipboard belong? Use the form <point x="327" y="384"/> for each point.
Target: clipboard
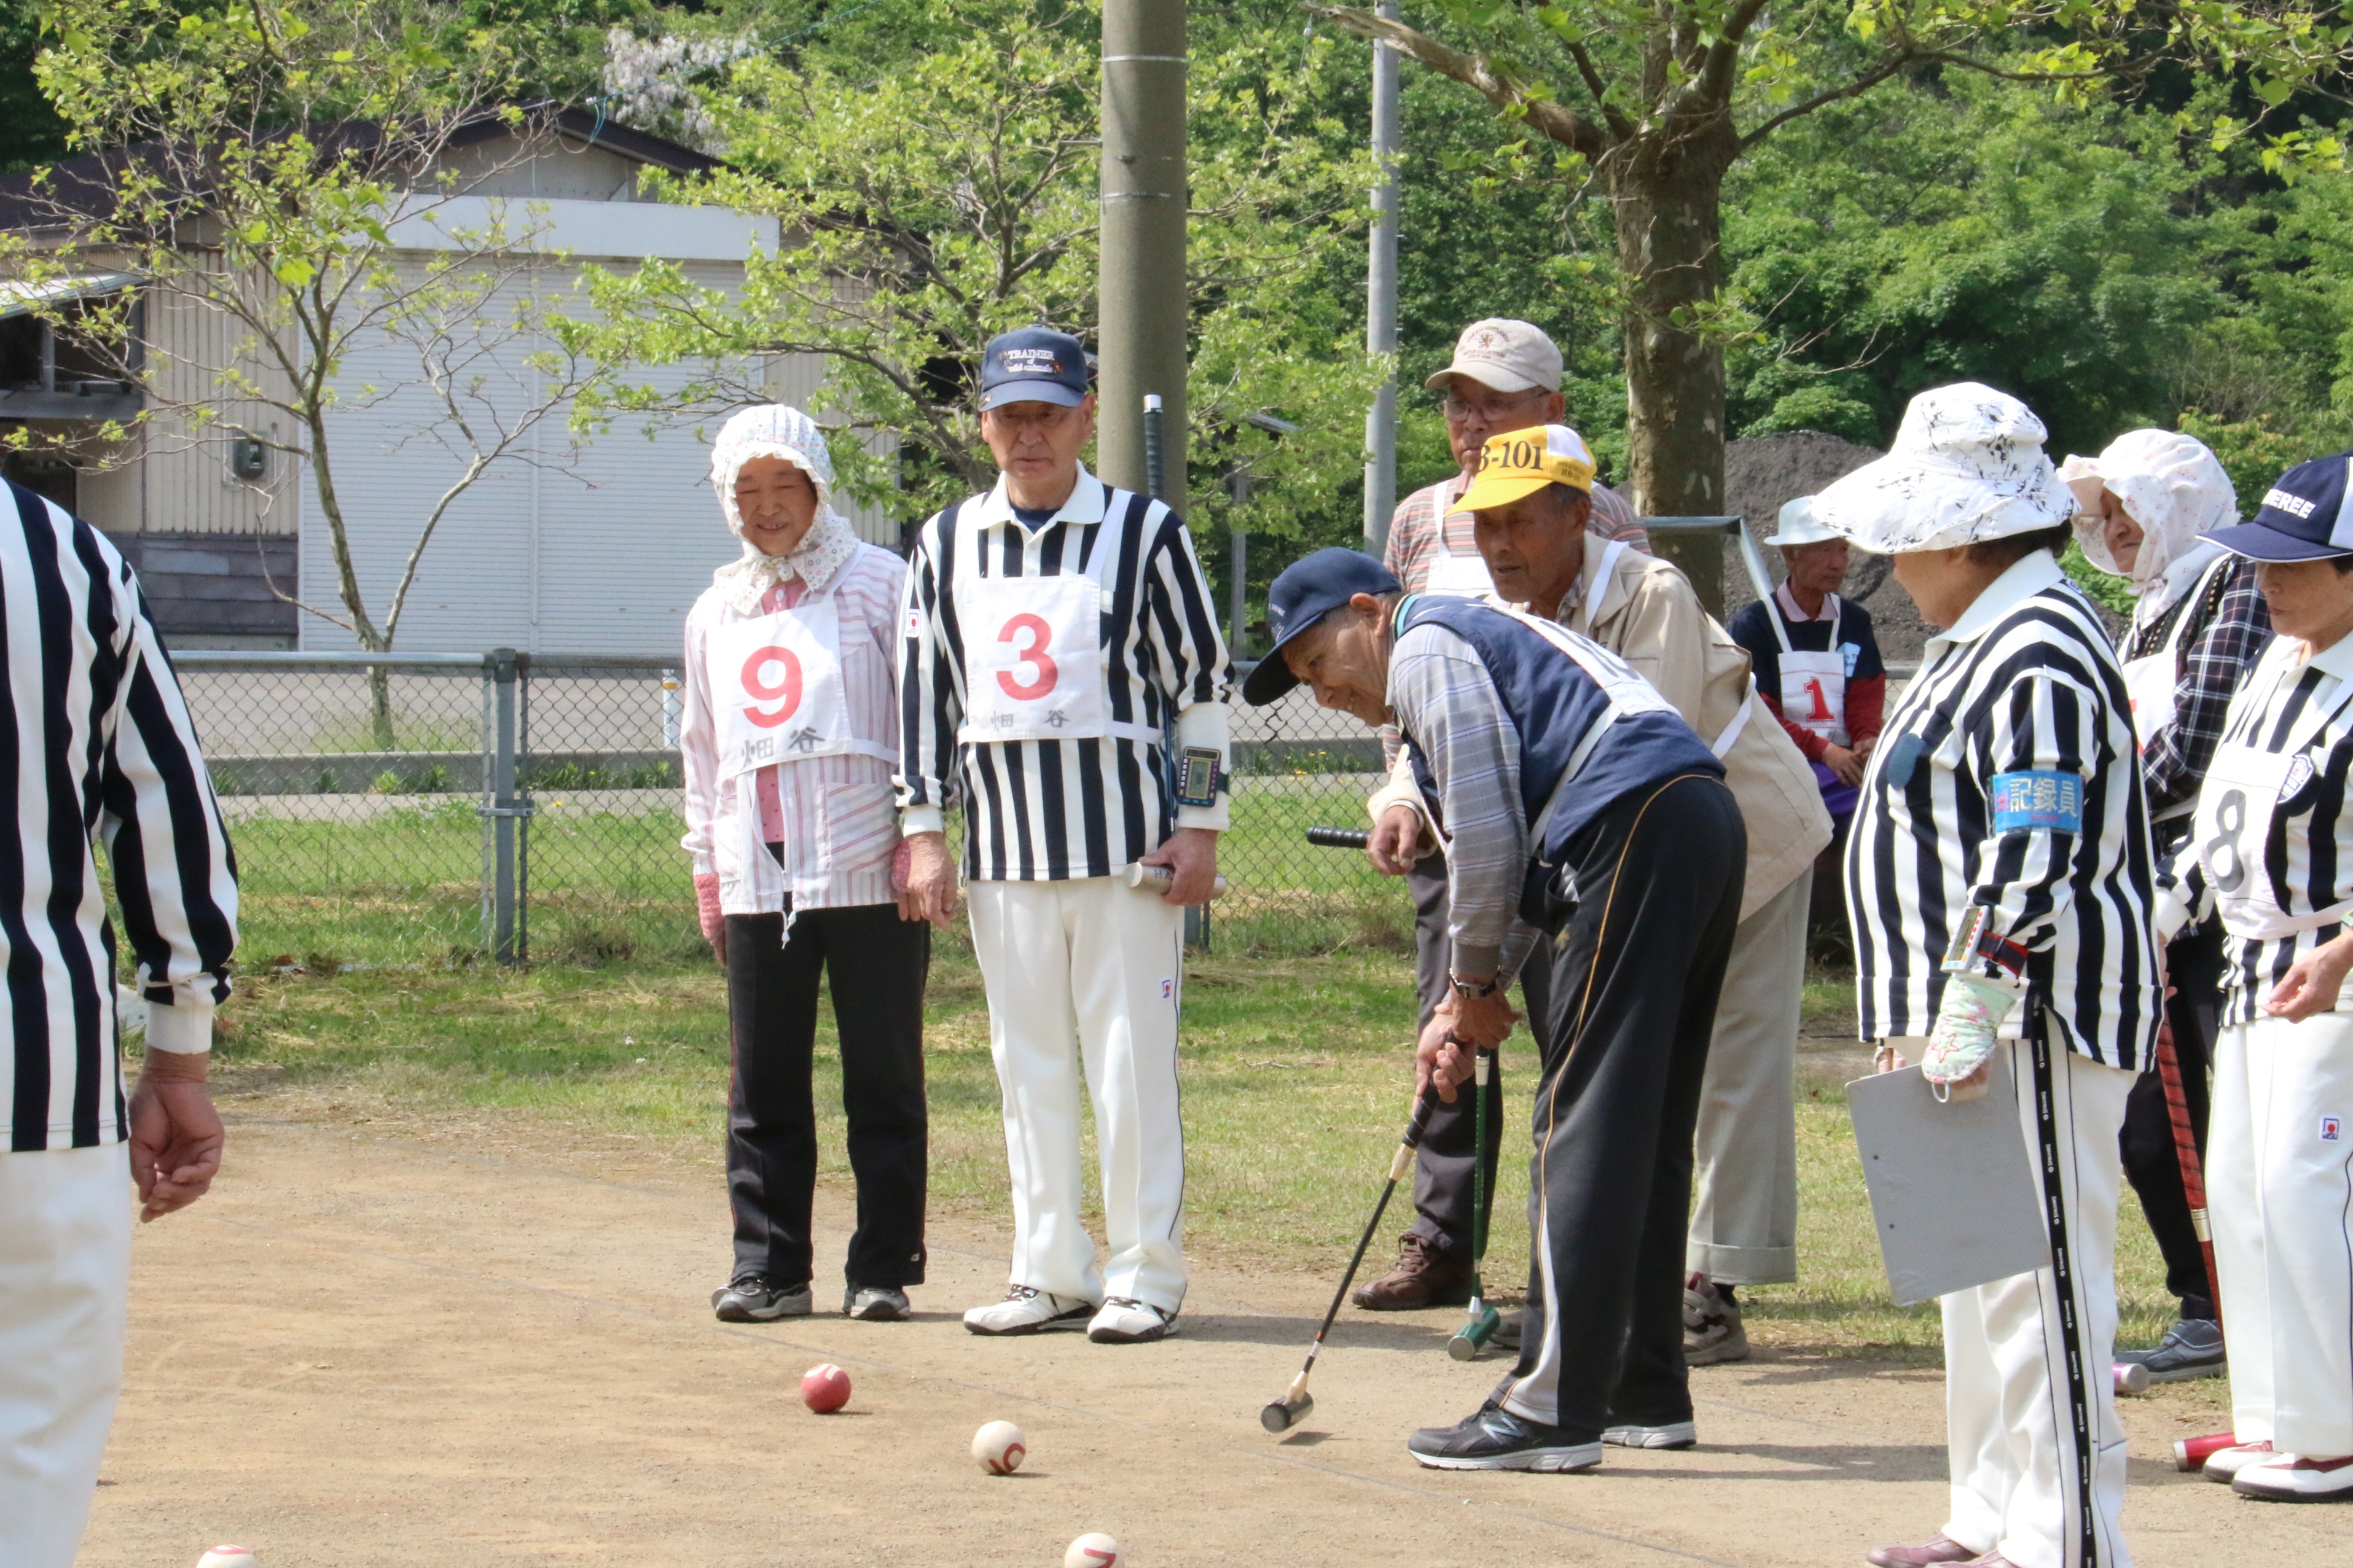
<point x="1952" y="1190"/>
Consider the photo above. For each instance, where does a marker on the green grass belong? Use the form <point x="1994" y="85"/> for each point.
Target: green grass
<point x="1294" y="1076"/>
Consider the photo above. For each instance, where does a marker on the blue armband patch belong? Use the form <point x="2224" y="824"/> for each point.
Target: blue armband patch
<point x="2023" y="802"/>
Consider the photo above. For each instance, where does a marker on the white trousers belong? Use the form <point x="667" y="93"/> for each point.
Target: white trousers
<point x="65" y="1268"/>
<point x="2011" y="1418"/>
<point x="1743" y="1228"/>
<point x="2279" y="1181"/>
<point x="1088" y="971"/>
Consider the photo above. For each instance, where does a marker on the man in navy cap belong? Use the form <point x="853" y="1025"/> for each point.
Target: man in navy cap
<point x="2271" y="852"/>
<point x="1056" y="630"/>
<point x="1575" y="805"/>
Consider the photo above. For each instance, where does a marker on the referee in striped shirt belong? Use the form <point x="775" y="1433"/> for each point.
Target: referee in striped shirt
<point x="1999" y="855"/>
<point x="100" y="747"/>
<point x="1055" y="629"/>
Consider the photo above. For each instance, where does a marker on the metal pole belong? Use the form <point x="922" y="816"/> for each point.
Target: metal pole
<point x="1237" y="572"/>
<point x="1140" y="346"/>
<point x="1381" y="297"/>
<point x="504" y="811"/>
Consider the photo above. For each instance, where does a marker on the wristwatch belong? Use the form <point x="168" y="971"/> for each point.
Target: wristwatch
<point x="1474" y="990"/>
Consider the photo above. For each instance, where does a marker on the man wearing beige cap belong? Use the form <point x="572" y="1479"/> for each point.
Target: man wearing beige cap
<point x="1505" y="374"/>
<point x="1744" y="1225"/>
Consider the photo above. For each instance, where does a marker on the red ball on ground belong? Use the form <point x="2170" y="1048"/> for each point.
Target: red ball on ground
<point x="825" y="1388"/>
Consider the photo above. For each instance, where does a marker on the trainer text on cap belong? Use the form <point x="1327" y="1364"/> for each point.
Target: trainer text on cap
<point x="1035" y="364"/>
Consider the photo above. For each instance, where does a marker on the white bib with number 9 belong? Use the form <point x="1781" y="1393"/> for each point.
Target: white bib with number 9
<point x="1033" y="658"/>
<point x="776" y="685"/>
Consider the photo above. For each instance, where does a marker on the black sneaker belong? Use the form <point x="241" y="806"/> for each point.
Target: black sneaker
<point x="756" y="1299"/>
<point x="2192" y="1348"/>
<point x="876" y="1304"/>
<point x="1495" y="1439"/>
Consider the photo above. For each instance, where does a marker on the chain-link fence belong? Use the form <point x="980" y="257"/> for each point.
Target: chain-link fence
<point x="442" y="807"/>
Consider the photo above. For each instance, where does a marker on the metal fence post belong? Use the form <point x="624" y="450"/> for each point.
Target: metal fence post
<point x="505" y="811"/>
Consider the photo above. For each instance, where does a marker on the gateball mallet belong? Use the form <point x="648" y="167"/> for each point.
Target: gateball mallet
<point x="1338" y="838"/>
<point x="1282" y="1414"/>
<point x="1483" y="1319"/>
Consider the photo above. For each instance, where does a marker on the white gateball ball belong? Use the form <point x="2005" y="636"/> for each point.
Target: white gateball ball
<point x="1000" y="1447"/>
<point x="1093" y="1550"/>
<point x="226" y="1557"/>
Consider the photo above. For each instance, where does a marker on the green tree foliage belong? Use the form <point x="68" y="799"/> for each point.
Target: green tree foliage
<point x="928" y="203"/>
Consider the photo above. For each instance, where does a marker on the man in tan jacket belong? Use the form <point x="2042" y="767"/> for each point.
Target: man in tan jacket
<point x="1744" y="1224"/>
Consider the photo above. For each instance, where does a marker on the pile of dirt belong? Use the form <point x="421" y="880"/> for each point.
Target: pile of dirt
<point x="1761" y="475"/>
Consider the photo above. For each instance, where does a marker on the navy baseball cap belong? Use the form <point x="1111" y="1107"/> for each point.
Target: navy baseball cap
<point x="2303" y="517"/>
<point x="1035" y="364"/>
<point x="1308" y="590"/>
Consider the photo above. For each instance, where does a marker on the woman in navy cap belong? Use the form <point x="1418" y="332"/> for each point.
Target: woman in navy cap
<point x="2271" y="852"/>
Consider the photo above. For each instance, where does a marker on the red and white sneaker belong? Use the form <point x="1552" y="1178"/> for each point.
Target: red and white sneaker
<point x="2291" y="1478"/>
<point x="2223" y="1465"/>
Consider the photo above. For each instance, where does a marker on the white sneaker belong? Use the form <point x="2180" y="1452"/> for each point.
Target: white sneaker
<point x="1675" y="1435"/>
<point x="2287" y="1478"/>
<point x="1124" y="1321"/>
<point x="2223" y="1465"/>
<point x="1026" y="1310"/>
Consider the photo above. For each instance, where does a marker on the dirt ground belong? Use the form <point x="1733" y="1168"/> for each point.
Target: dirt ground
<point x="445" y="1348"/>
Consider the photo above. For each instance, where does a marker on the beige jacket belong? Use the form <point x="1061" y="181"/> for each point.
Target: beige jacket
<point x="1647" y="614"/>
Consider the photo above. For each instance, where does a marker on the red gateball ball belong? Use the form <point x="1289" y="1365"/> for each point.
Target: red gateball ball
<point x="825" y="1388"/>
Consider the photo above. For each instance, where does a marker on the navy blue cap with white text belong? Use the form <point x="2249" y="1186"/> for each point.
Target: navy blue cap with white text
<point x="1308" y="590"/>
<point x="1034" y="364"/>
<point x="2303" y="517"/>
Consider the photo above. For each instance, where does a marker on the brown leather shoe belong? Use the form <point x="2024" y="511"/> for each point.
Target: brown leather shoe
<point x="1926" y="1554"/>
<point x="1424" y="1276"/>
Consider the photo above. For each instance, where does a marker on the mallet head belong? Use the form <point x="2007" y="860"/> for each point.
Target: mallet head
<point x="1282" y="1414"/>
<point x="1472" y="1337"/>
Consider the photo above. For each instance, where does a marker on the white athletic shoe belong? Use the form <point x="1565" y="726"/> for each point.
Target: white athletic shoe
<point x="1026" y="1310"/>
<point x="2223" y="1465"/>
<point x="1675" y="1435"/>
<point x="2287" y="1478"/>
<point x="1124" y="1321"/>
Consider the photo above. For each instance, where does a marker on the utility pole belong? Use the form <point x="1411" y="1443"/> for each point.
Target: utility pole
<point x="1140" y="346"/>
<point x="1381" y="298"/>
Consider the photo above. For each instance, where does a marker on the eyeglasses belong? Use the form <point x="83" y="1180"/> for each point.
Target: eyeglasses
<point x="1489" y="409"/>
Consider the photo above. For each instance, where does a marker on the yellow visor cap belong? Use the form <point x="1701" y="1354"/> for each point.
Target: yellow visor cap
<point x="1522" y="462"/>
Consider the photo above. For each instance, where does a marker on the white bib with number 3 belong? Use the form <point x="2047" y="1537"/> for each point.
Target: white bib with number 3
<point x="1034" y="666"/>
<point x="776" y="684"/>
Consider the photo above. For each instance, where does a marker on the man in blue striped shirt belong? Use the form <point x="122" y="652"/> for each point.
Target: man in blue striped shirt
<point x="99" y="747"/>
<point x="1056" y="629"/>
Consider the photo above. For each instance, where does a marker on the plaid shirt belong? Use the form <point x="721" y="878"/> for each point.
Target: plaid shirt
<point x="2229" y="627"/>
<point x="1426" y="523"/>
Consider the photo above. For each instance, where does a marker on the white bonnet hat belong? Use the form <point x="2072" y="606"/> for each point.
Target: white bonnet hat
<point x="769" y="430"/>
<point x="2172" y="485"/>
<point x="1968" y="466"/>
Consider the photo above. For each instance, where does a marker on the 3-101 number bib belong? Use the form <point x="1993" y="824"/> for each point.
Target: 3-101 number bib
<point x="775" y="684"/>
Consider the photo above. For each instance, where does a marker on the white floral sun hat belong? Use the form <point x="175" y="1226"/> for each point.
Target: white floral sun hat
<point x="2171" y="484"/>
<point x="1968" y="466"/>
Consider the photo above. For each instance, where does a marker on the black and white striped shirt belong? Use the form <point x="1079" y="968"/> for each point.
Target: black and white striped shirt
<point x="2294" y="879"/>
<point x="994" y="603"/>
<point x="97" y="745"/>
<point x="2006" y="777"/>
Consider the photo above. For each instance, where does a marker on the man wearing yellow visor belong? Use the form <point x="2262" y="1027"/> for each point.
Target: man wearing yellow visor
<point x="1529" y="500"/>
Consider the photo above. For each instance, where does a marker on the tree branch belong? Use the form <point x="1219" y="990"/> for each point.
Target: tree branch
<point x="1854" y="88"/>
<point x="1555" y="120"/>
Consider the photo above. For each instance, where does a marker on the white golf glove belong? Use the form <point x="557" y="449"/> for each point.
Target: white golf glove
<point x="1967" y="1023"/>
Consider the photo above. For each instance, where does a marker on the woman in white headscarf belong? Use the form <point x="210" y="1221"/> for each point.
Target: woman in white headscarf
<point x="788" y="736"/>
<point x="2199" y="626"/>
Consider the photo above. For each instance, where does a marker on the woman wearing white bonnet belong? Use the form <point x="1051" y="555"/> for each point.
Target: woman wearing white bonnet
<point x="789" y="733"/>
<point x="1999" y="884"/>
<point x="2199" y="626"/>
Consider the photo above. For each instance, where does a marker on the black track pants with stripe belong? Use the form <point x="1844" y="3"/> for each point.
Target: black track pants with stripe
<point x="1635" y="975"/>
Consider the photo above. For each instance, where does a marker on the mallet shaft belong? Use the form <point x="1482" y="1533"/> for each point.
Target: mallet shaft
<point x="1339" y="838"/>
<point x="1398" y="1163"/>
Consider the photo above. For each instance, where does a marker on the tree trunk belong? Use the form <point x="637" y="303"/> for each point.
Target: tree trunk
<point x="1666" y="188"/>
